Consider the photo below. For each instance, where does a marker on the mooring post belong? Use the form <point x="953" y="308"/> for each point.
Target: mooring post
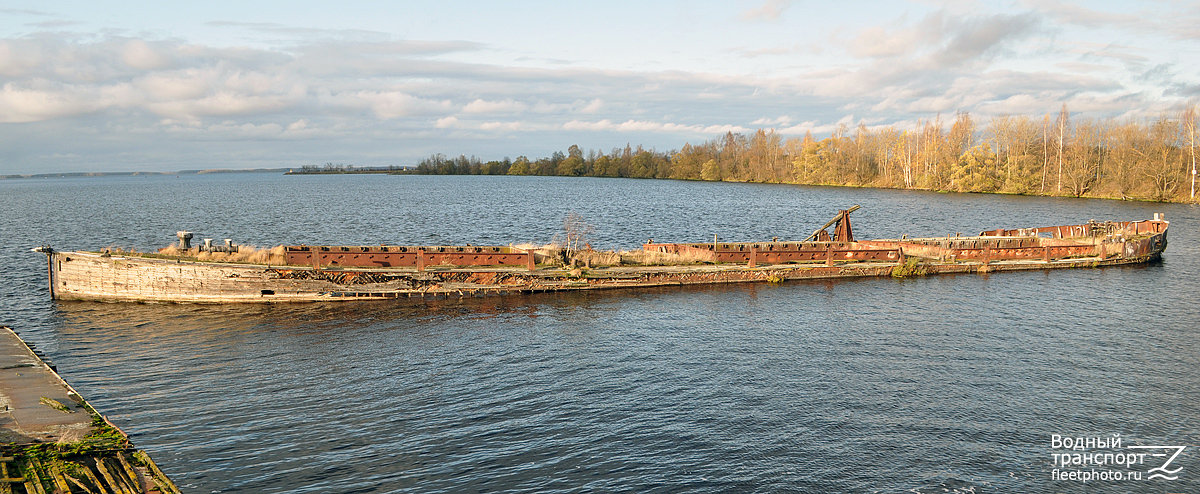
<point x="1046" y="254"/>
<point x="753" y="256"/>
<point x="900" y="254"/>
<point x="420" y="259"/>
<point x="987" y="254"/>
<point x="185" y="240"/>
<point x="829" y="254"/>
<point x="50" y="266"/>
<point x="529" y="261"/>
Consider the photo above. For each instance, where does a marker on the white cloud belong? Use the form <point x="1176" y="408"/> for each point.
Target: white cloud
<point x="140" y="55"/>
<point x="19" y="57"/>
<point x="648" y="126"/>
<point x="781" y="120"/>
<point x="1076" y="14"/>
<point x="770" y="10"/>
<point x="877" y="42"/>
<point x="769" y="51"/>
<point x="1083" y="68"/>
<point x="1094" y="52"/>
<point x="501" y="126"/>
<point x="247" y="130"/>
<point x="577" y="106"/>
<point x="801" y="128"/>
<point x="182" y="85"/>
<point x="221" y="103"/>
<point x="18" y="104"/>
<point x="504" y="106"/>
<point x="593" y="106"/>
<point x="942" y="39"/>
<point x="387" y="104"/>
<point x="817" y="129"/>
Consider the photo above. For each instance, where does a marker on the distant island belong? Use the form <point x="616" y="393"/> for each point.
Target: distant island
<point x="341" y="169"/>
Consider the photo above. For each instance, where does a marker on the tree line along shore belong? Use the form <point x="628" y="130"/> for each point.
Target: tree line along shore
<point x="1053" y="155"/>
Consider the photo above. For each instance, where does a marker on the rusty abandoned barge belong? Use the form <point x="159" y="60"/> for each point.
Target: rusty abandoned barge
<point x="341" y="273"/>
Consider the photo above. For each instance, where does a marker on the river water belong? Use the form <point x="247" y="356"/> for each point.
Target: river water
<point x="939" y="384"/>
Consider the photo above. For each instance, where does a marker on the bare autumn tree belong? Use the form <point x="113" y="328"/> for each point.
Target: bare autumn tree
<point x="1125" y="159"/>
<point x="1001" y="130"/>
<point x="1160" y="163"/>
<point x="908" y="145"/>
<point x="792" y="147"/>
<point x="1081" y="161"/>
<point x="1024" y="177"/>
<point x="806" y="161"/>
<point x="886" y="155"/>
<point x="764" y="156"/>
<point x="959" y="156"/>
<point x="1189" y="128"/>
<point x="862" y="155"/>
<point x="1045" y="149"/>
<point x="732" y="157"/>
<point x="1060" y="126"/>
<point x="577" y="232"/>
<point x="962" y="134"/>
<point x="837" y="152"/>
<point x="931" y="148"/>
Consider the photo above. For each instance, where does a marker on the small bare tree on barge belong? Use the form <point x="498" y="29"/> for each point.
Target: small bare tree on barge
<point x="577" y="232"/>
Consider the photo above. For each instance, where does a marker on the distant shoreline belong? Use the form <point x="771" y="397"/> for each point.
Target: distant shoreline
<point x="285" y="171"/>
<point x="332" y="169"/>
<point x="415" y="171"/>
<point x="141" y="173"/>
<point x="384" y="171"/>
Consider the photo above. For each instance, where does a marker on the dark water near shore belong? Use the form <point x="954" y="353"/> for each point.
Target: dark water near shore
<point x="943" y="384"/>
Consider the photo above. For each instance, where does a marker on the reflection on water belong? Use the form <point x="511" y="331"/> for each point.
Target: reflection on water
<point x="943" y="384"/>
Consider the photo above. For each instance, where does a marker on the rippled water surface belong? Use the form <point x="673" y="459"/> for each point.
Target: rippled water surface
<point x="941" y="384"/>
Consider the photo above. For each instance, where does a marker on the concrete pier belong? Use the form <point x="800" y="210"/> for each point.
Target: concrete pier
<point x="51" y="440"/>
<point x="27" y="385"/>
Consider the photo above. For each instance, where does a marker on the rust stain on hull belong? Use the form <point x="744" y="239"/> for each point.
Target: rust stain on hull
<point x="385" y="256"/>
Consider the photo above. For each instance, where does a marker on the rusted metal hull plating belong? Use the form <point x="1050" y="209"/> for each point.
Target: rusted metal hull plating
<point x="385" y="256"/>
<point x="1124" y="240"/>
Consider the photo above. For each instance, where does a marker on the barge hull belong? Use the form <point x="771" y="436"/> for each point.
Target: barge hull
<point x="87" y="276"/>
<point x="112" y="277"/>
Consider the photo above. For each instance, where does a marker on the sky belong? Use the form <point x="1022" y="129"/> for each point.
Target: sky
<point x="167" y="86"/>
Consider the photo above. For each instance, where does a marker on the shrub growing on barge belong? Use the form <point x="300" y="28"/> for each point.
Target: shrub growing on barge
<point x="911" y="267"/>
